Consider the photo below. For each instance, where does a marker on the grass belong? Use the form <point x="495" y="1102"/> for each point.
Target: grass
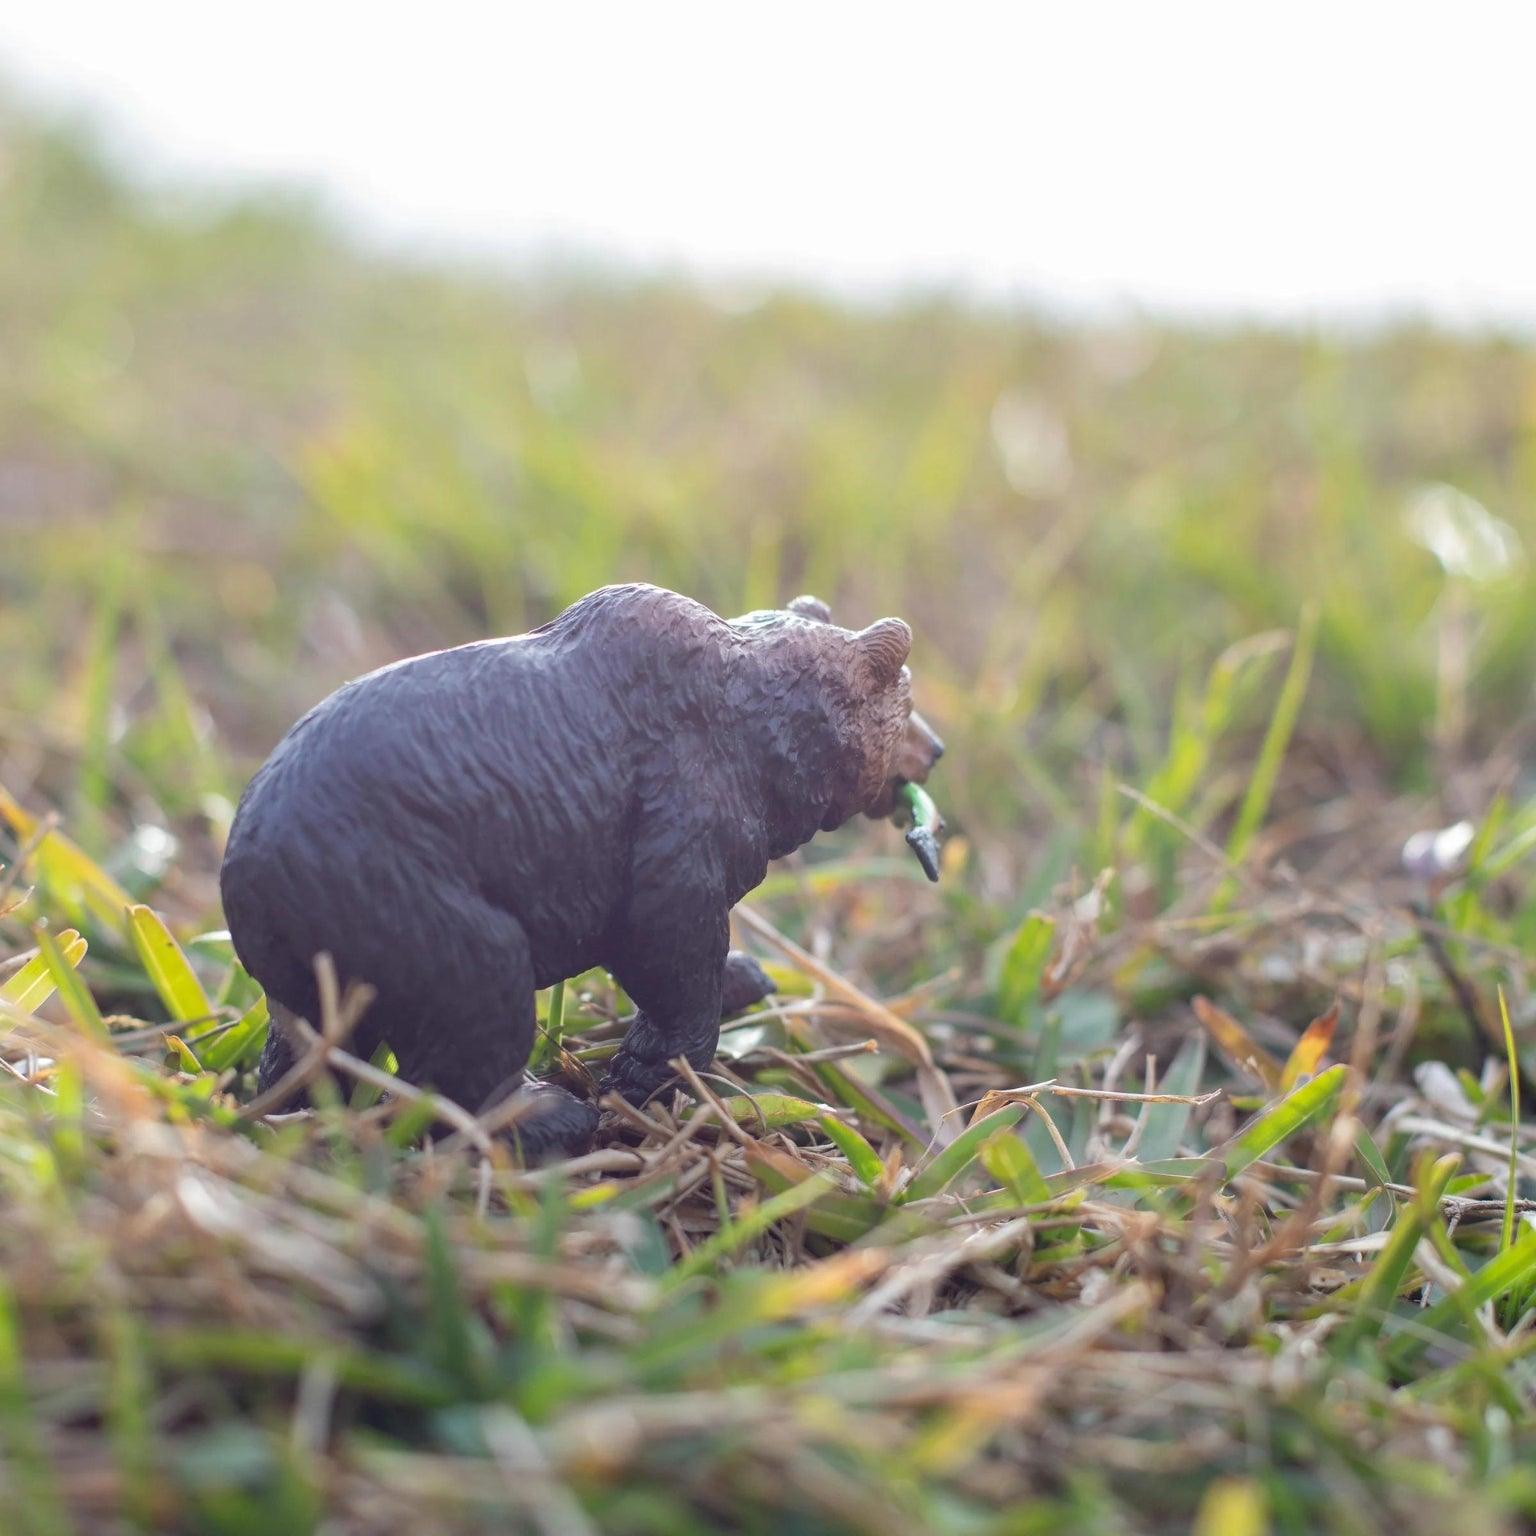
<point x="1189" y="1195"/>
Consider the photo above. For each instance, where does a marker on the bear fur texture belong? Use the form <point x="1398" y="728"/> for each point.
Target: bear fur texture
<point x="462" y="828"/>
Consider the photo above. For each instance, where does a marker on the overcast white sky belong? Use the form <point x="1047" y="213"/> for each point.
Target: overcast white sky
<point x="1296" y="159"/>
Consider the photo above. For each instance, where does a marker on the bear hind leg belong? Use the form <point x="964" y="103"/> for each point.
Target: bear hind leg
<point x="279" y="1055"/>
<point x="281" y="1052"/>
<point x="470" y="1036"/>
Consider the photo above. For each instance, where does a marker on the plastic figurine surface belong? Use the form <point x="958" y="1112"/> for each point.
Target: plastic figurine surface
<point x="462" y="828"/>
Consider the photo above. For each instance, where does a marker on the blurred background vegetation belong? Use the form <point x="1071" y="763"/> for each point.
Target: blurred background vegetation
<point x="241" y="461"/>
<point x="1229" y="611"/>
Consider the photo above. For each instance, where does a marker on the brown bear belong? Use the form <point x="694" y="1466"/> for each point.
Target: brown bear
<point x="461" y="828"/>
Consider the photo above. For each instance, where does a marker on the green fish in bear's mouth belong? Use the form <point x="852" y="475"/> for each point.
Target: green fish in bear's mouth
<point x="923" y="835"/>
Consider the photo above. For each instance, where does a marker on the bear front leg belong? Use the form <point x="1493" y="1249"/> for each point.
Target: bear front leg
<point x="639" y="1070"/>
<point x="674" y="972"/>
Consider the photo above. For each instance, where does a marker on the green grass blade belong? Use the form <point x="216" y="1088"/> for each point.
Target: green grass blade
<point x="1508" y="1273"/>
<point x="166" y="965"/>
<point x="1280" y="1121"/>
<point x="1008" y="1159"/>
<point x="232" y="1046"/>
<point x="94" y="780"/>
<point x="1163" y="1126"/>
<point x="1277" y="739"/>
<point x="1023" y="967"/>
<point x="130" y="1396"/>
<point x="69" y="874"/>
<point x="263" y="1353"/>
<point x="752" y="1223"/>
<point x="1507" y="1237"/>
<point x="546" y="1046"/>
<point x="862" y="1157"/>
<point x="33" y="1496"/>
<point x="32" y="985"/>
<point x="1372" y="1297"/>
<point x="962" y="1153"/>
<point x="770" y="1111"/>
<point x="447" y="1310"/>
<point x="844" y="1218"/>
<point x="73" y="992"/>
<point x="1370" y="1155"/>
<point x="844" y="1088"/>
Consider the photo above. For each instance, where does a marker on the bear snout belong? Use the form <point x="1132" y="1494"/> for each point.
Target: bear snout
<point x="920" y="749"/>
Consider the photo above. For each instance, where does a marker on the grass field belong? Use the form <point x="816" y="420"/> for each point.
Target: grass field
<point x="1231" y="1232"/>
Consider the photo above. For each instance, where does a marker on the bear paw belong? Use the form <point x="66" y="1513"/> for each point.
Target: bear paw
<point x="745" y="983"/>
<point x="554" y="1125"/>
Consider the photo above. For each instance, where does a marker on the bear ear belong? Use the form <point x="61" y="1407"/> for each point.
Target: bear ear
<point x="809" y="607"/>
<point x="884" y="647"/>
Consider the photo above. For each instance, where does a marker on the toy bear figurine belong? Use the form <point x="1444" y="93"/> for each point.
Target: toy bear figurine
<point x="462" y="828"/>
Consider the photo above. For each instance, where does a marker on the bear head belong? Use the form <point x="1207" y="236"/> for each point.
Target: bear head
<point x="844" y="735"/>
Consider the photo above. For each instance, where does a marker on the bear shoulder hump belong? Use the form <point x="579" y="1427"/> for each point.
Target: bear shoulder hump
<point x="639" y="608"/>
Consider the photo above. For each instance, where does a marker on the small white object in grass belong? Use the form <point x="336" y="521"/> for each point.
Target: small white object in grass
<point x="151" y="850"/>
<point x="1462" y="534"/>
<point x="1434" y="855"/>
<point x="1441" y="1090"/>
